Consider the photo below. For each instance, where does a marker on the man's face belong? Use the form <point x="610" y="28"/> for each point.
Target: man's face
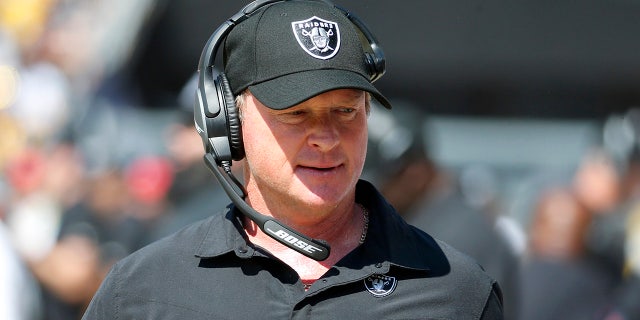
<point x="308" y="155"/>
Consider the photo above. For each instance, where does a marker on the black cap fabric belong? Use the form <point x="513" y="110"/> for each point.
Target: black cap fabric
<point x="291" y="51"/>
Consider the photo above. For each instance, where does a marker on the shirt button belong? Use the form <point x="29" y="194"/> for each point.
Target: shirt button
<point x="378" y="265"/>
<point x="243" y="250"/>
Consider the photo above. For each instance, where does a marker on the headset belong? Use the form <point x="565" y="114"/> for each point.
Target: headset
<point x="218" y="124"/>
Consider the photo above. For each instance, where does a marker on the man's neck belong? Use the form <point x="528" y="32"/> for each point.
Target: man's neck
<point x="343" y="233"/>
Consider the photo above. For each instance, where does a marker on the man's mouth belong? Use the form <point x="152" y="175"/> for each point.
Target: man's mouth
<point x="319" y="169"/>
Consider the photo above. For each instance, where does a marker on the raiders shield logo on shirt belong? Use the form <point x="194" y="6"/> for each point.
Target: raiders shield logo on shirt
<point x="318" y="37"/>
<point x="380" y="285"/>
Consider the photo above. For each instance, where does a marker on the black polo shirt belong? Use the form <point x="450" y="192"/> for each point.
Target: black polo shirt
<point x="209" y="271"/>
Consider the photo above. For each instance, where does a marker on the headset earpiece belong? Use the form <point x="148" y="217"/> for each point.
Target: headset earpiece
<point x="373" y="66"/>
<point x="234" y="129"/>
<point x="373" y="56"/>
<point x="217" y="119"/>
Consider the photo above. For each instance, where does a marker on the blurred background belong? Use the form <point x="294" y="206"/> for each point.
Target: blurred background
<point x="515" y="136"/>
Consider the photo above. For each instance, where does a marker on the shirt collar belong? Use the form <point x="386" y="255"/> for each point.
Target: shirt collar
<point x="390" y="240"/>
<point x="224" y="234"/>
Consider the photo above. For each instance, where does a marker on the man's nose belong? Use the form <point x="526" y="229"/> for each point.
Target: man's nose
<point x="323" y="133"/>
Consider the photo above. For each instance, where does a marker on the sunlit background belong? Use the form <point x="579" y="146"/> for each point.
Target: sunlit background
<point x="515" y="136"/>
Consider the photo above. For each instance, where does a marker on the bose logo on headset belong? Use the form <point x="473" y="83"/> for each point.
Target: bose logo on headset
<point x="293" y="240"/>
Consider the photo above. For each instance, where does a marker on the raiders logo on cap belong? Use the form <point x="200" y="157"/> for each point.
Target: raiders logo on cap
<point x="380" y="285"/>
<point x="318" y="37"/>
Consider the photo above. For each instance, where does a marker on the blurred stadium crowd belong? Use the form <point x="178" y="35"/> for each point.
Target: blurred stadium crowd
<point x="90" y="173"/>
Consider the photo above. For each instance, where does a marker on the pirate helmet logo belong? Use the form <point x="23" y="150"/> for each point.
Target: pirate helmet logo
<point x="318" y="37"/>
<point x="380" y="285"/>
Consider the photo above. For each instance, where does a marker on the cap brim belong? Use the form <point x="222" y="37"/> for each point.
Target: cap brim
<point x="289" y="90"/>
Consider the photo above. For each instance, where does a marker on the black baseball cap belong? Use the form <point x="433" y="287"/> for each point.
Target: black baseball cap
<point x="291" y="51"/>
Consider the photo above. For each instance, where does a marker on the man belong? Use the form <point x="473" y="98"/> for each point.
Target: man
<point x="304" y="131"/>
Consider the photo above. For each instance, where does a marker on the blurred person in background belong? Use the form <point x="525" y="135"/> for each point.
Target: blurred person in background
<point x="192" y="192"/>
<point x="627" y="295"/>
<point x="148" y="179"/>
<point x="20" y="297"/>
<point x="608" y="184"/>
<point x="598" y="184"/>
<point x="42" y="188"/>
<point x="46" y="45"/>
<point x="94" y="234"/>
<point x="19" y="291"/>
<point x="68" y="230"/>
<point x="602" y="193"/>
<point x="560" y="280"/>
<point x="430" y="197"/>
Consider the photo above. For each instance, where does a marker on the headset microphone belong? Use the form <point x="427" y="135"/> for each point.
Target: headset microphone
<point x="313" y="248"/>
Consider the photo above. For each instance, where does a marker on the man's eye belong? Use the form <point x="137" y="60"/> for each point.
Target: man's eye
<point x="347" y="110"/>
